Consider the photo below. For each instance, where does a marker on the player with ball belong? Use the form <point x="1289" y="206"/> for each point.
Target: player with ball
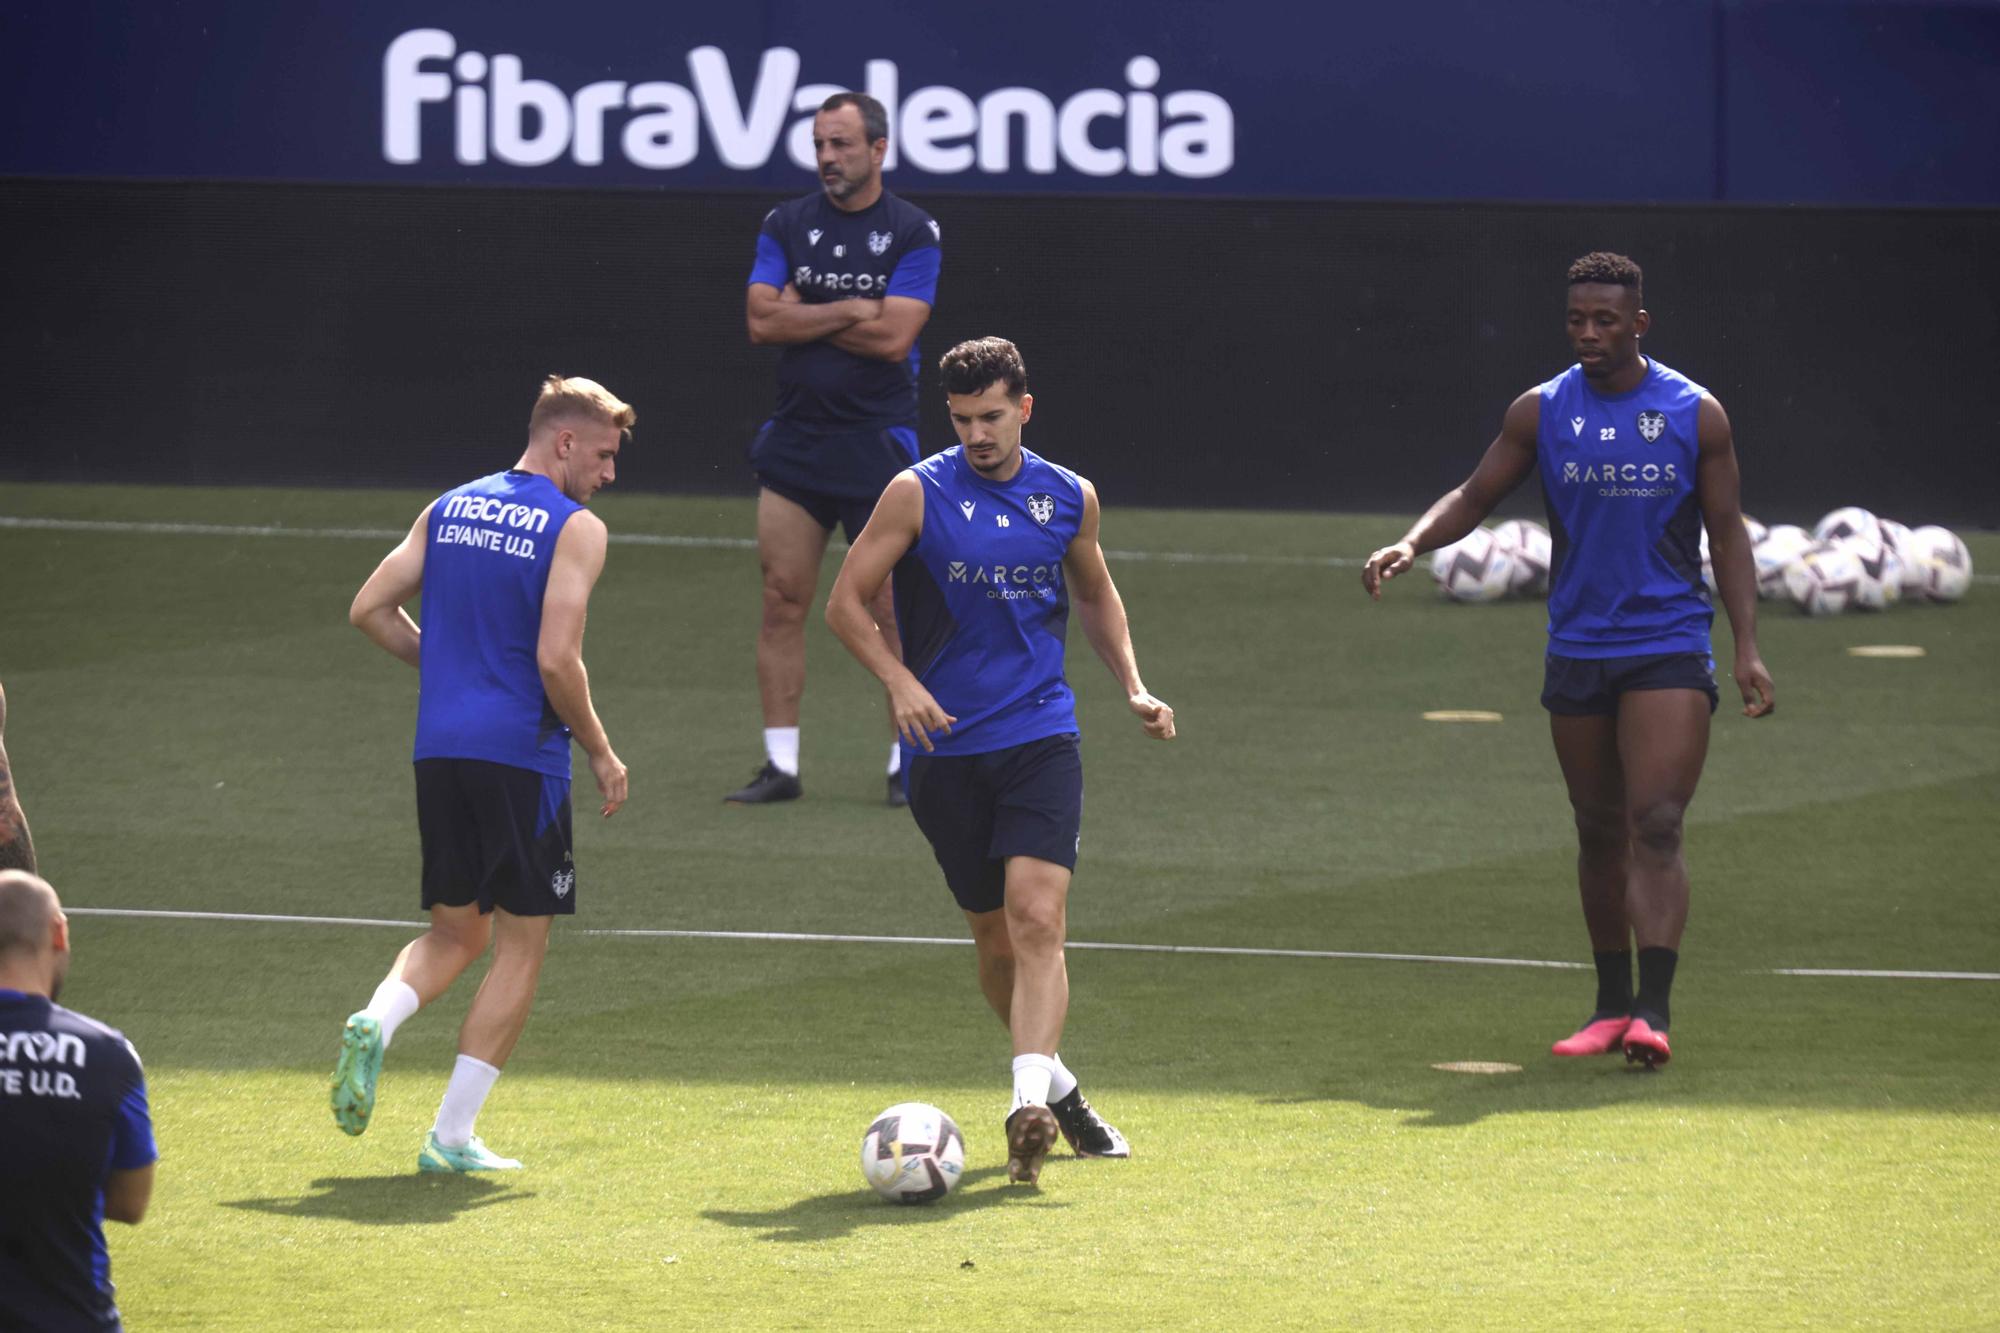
<point x="991" y="547"/>
<point x="1634" y="459"/>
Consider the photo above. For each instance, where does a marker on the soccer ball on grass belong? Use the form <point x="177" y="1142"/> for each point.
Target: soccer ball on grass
<point x="1475" y="568"/>
<point x="1532" y="549"/>
<point x="1945" y="564"/>
<point x="1825" y="581"/>
<point x="912" y="1153"/>
<point x="1782" y="546"/>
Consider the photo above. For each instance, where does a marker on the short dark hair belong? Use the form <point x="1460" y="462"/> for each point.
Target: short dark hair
<point x="1613" y="270"/>
<point x="874" y="116"/>
<point x="974" y="365"/>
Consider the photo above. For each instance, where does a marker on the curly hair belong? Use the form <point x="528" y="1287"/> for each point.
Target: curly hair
<point x="1613" y="270"/>
<point x="978" y="362"/>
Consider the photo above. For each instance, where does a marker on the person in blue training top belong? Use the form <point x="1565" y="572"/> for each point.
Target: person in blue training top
<point x="76" y="1138"/>
<point x="844" y="281"/>
<point x="505" y="565"/>
<point x="1634" y="458"/>
<point x="17" y="849"/>
<point x="990" y="546"/>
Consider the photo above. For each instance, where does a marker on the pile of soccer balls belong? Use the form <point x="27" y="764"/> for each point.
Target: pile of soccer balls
<point x="1850" y="560"/>
<point x="1486" y="564"/>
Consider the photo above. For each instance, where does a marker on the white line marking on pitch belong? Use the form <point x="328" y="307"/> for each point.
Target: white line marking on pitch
<point x="643" y="539"/>
<point x="806" y="937"/>
<point x="618" y="538"/>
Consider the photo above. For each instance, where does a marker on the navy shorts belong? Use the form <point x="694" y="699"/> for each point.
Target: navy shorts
<point x="835" y="478"/>
<point x="979" y="809"/>
<point x="1590" y="686"/>
<point x="495" y="835"/>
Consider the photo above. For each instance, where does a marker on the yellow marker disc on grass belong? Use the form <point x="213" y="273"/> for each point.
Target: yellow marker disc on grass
<point x="1885" y="650"/>
<point x="1461" y="715"/>
<point x="1477" y="1067"/>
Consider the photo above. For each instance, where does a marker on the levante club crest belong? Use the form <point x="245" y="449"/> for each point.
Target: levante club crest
<point x="1043" y="507"/>
<point x="1652" y="425"/>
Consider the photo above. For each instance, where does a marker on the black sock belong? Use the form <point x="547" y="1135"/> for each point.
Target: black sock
<point x="1614" y="983"/>
<point x="1656" y="979"/>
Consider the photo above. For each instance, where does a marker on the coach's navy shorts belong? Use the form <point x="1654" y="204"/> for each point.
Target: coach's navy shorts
<point x="835" y="478"/>
<point x="495" y="835"/>
<point x="979" y="809"/>
<point x="1590" y="686"/>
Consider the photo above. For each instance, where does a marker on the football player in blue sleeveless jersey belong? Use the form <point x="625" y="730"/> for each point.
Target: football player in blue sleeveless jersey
<point x="505" y="564"/>
<point x="991" y="545"/>
<point x="844" y="281"/>
<point x="1634" y="458"/>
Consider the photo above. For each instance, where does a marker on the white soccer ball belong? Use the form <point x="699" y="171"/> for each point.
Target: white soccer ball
<point x="1781" y="547"/>
<point x="1945" y="564"/>
<point x="1475" y="568"/>
<point x="1825" y="581"/>
<point x="1881" y="583"/>
<point x="912" y="1153"/>
<point x="1529" y="543"/>
<point x="1754" y="530"/>
<point x="1897" y="537"/>
<point x="1850" y="521"/>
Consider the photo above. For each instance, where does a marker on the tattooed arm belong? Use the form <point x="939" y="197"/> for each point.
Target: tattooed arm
<point x="17" y="849"/>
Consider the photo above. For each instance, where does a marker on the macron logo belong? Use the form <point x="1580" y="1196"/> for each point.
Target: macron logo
<point x="1575" y="424"/>
<point x="812" y="237"/>
<point x="966" y="505"/>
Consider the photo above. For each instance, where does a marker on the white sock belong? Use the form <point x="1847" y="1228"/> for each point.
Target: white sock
<point x="895" y="759"/>
<point x="781" y="744"/>
<point x="471" y="1080"/>
<point x="1061" y="1083"/>
<point x="1032" y="1074"/>
<point x="394" y="1001"/>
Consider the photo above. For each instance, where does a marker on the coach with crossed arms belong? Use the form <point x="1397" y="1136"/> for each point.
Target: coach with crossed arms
<point x="844" y="281"/>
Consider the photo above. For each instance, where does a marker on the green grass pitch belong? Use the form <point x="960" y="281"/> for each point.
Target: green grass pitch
<point x="194" y="726"/>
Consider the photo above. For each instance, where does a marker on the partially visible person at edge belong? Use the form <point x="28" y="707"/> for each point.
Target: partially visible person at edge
<point x="76" y="1136"/>
<point x="17" y="849"/>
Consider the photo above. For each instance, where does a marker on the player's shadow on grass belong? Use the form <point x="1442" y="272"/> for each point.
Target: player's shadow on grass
<point x="388" y="1200"/>
<point x="1438" y="1099"/>
<point x="830" y="1216"/>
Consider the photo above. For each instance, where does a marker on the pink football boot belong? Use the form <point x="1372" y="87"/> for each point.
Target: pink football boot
<point x="1646" y="1045"/>
<point x="1600" y="1036"/>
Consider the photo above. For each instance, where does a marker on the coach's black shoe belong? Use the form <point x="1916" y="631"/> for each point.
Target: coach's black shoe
<point x="769" y="783"/>
<point x="899" y="795"/>
<point x="1088" y="1133"/>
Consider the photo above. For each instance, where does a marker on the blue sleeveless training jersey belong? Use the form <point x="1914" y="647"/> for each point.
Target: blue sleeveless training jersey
<point x="981" y="602"/>
<point x="487" y="552"/>
<point x="1618" y="478"/>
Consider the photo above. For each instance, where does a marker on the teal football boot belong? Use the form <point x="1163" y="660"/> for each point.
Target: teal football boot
<point x="472" y="1155"/>
<point x="354" y="1075"/>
